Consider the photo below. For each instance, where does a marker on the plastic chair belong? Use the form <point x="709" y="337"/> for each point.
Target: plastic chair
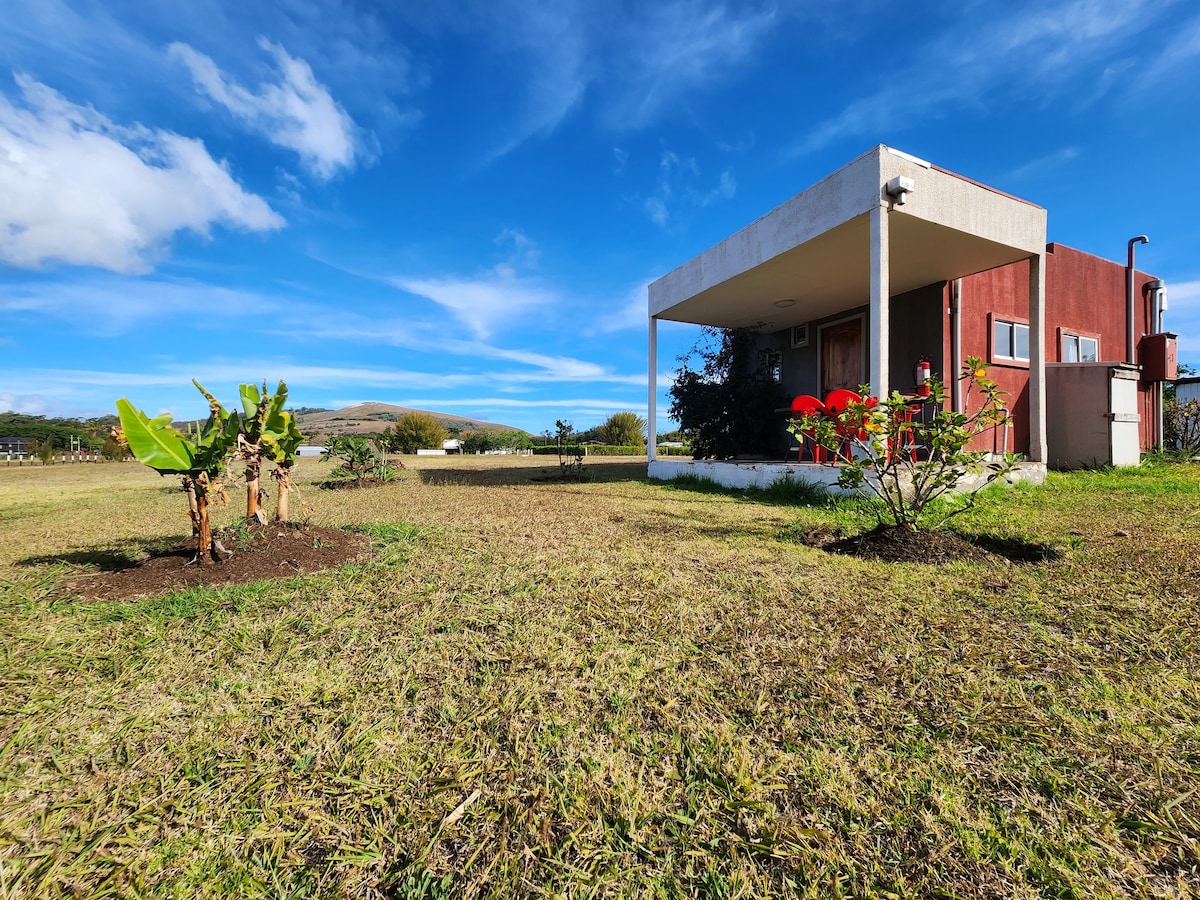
<point x="836" y="404"/>
<point x="808" y="405"/>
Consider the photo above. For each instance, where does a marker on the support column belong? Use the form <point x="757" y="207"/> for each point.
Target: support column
<point x="652" y="399"/>
<point x="1037" y="358"/>
<point x="879" y="336"/>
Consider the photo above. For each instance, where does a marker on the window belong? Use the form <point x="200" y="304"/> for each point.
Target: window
<point x="1077" y="348"/>
<point x="800" y="335"/>
<point x="1010" y="340"/>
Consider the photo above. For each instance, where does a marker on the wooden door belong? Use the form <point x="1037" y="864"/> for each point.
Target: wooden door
<point x="842" y="356"/>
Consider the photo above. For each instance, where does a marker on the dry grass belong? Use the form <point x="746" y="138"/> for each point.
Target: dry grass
<point x="613" y="688"/>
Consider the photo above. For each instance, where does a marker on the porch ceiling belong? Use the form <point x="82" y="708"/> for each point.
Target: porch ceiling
<point x="831" y="273"/>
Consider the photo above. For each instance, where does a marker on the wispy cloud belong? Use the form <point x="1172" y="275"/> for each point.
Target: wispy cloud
<point x="81" y="190"/>
<point x="631" y="314"/>
<point x="676" y="188"/>
<point x="296" y="112"/>
<point x="482" y="302"/>
<point x="1050" y="161"/>
<point x="673" y="48"/>
<point x="101" y="305"/>
<point x="1042" y="45"/>
<point x="1181" y="48"/>
<point x="630" y="65"/>
<point x="500" y="295"/>
<point x="1183" y="314"/>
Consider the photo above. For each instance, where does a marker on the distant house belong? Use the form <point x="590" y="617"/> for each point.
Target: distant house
<point x="891" y="261"/>
<point x="16" y="444"/>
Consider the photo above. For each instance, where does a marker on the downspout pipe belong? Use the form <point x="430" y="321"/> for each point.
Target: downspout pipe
<point x="955" y="345"/>
<point x="1130" y="348"/>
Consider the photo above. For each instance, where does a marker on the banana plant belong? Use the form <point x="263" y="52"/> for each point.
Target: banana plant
<point x="268" y="431"/>
<point x="198" y="459"/>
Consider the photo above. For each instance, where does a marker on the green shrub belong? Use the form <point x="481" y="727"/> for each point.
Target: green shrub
<point x="1181" y="427"/>
<point x="357" y="459"/>
<point x="591" y="450"/>
<point x="415" y="431"/>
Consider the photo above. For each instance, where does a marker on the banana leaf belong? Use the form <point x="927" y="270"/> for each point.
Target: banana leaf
<point x="154" y="442"/>
<point x="251" y="399"/>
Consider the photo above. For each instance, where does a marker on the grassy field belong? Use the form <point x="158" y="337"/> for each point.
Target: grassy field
<point x="608" y="689"/>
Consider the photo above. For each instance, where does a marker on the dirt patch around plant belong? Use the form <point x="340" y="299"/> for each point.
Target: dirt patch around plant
<point x="350" y="484"/>
<point x="891" y="543"/>
<point x="262" y="552"/>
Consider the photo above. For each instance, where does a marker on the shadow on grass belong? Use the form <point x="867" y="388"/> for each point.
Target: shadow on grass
<point x="113" y="557"/>
<point x="1014" y="549"/>
<point x="594" y="471"/>
<point x="787" y="491"/>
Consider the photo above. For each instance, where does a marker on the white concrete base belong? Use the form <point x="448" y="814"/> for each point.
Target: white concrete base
<point x="743" y="474"/>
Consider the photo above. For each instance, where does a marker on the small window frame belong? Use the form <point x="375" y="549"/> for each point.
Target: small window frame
<point x="799" y="335"/>
<point x="995" y="356"/>
<point x="1066" y="336"/>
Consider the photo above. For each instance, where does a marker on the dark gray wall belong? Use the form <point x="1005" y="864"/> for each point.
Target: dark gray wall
<point x="917" y="330"/>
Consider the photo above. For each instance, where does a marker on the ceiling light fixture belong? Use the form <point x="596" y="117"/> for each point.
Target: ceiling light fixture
<point x="784" y="304"/>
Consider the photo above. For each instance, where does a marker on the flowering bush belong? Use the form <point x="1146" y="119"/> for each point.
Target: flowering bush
<point x="887" y="446"/>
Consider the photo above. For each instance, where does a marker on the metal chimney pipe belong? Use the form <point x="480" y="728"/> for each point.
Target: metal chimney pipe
<point x="1130" y="350"/>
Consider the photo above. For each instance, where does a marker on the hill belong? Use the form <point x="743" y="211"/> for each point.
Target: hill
<point x="366" y="418"/>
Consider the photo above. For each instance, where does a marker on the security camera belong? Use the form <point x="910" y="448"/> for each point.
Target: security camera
<point x="898" y="187"/>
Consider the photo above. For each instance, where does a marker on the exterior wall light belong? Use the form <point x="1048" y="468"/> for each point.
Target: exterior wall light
<point x="898" y="187"/>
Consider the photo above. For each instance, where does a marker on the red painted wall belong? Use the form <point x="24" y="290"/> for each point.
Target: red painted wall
<point x="1085" y="295"/>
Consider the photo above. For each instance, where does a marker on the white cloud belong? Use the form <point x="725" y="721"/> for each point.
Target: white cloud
<point x="631" y="314"/>
<point x="675" y="48"/>
<point x="499" y="295"/>
<point x="1036" y="46"/>
<point x="1050" y="161"/>
<point x="102" y="305"/>
<point x="482" y="303"/>
<point x="297" y="112"/>
<point x="81" y="190"/>
<point x="675" y="189"/>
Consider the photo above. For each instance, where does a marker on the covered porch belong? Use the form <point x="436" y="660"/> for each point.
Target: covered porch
<point x="822" y="274"/>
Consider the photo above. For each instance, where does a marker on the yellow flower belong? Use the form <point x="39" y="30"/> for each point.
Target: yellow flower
<point x="981" y="373"/>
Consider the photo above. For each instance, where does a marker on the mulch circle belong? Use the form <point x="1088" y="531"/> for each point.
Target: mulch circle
<point x="899" y="543"/>
<point x="892" y="543"/>
<point x="350" y="484"/>
<point x="259" y="552"/>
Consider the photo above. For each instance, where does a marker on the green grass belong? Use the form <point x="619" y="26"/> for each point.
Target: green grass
<point x="613" y="688"/>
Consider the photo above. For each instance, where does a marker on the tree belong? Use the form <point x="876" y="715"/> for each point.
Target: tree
<point x="624" y="429"/>
<point x="415" y="431"/>
<point x="199" y="460"/>
<point x="494" y="439"/>
<point x="908" y="463"/>
<point x="726" y="406"/>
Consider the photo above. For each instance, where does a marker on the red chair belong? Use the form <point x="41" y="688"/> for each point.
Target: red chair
<point x="808" y="405"/>
<point x="836" y="404"/>
<point x="911" y="412"/>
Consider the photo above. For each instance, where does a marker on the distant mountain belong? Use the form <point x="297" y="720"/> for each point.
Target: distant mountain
<point x="365" y="418"/>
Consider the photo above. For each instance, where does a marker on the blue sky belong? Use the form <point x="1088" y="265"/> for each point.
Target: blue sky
<point x="458" y="205"/>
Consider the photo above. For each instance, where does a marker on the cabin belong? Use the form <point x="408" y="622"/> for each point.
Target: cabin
<point x="892" y="264"/>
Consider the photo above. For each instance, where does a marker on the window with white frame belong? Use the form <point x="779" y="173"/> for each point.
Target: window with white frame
<point x="1077" y="348"/>
<point x="1010" y="340"/>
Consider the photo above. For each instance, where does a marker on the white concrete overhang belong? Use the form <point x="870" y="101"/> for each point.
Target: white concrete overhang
<point x="815" y="249"/>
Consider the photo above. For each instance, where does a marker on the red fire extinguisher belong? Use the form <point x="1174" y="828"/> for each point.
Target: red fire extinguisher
<point x="921" y="372"/>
